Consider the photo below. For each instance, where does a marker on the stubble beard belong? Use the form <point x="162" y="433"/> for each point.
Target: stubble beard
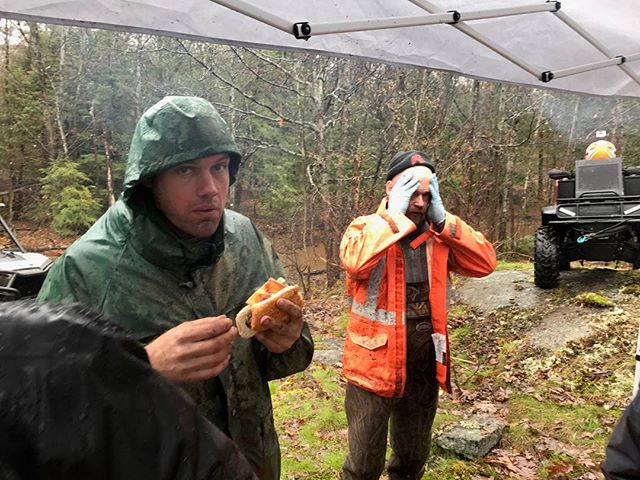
<point x="419" y="219"/>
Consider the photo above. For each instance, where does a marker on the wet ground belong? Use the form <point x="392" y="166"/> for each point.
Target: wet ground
<point x="562" y="319"/>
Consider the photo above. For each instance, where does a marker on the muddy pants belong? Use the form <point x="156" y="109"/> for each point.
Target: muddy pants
<point x="410" y="417"/>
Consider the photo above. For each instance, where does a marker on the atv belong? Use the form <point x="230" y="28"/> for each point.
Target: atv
<point x="21" y="273"/>
<point x="596" y="218"/>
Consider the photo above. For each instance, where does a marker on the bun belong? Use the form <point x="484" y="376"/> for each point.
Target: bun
<point x="263" y="302"/>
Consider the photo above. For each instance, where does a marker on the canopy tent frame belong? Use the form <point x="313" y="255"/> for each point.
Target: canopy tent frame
<point x="303" y="30"/>
<point x="592" y="48"/>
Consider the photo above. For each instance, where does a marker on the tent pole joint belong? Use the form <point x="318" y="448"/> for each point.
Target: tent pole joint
<point x="302" y="30"/>
<point x="455" y="17"/>
<point x="558" y="5"/>
<point x="546" y="76"/>
<point x="622" y="58"/>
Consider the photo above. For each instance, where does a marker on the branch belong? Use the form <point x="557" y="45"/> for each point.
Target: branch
<point x="49" y="248"/>
<point x="278" y="67"/>
<point x="241" y="92"/>
<point x="262" y="144"/>
<point x="246" y="112"/>
<point x="265" y="80"/>
<point x="317" y="190"/>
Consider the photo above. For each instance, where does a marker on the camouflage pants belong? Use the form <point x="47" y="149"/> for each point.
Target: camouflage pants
<point x="410" y="419"/>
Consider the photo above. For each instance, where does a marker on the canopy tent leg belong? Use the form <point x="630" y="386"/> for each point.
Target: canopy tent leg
<point x="636" y="378"/>
<point x="588" y="67"/>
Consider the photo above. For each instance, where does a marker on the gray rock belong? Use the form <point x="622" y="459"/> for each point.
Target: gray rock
<point x="472" y="437"/>
<point x="567" y="323"/>
<point x="500" y="289"/>
<point x="327" y="357"/>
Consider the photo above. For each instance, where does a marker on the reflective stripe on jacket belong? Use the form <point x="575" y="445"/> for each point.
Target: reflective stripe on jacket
<point x="375" y="345"/>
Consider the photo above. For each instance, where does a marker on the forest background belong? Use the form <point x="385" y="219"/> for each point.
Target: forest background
<point x="316" y="132"/>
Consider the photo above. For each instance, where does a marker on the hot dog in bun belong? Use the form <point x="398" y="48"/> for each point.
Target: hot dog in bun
<point x="263" y="302"/>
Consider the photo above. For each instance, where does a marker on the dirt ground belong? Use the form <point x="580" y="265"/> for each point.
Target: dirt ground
<point x="556" y="366"/>
<point x="562" y="319"/>
<point x="40" y="240"/>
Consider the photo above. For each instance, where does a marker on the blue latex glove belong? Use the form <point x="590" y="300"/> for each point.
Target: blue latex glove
<point x="401" y="193"/>
<point x="435" y="213"/>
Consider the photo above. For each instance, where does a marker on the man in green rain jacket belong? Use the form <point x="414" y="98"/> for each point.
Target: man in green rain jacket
<point x="171" y="265"/>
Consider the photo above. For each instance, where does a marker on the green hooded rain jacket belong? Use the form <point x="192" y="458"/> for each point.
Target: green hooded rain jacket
<point x="132" y="266"/>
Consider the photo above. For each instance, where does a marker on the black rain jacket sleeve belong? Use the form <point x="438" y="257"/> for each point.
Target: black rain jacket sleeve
<point x="79" y="400"/>
<point x="622" y="458"/>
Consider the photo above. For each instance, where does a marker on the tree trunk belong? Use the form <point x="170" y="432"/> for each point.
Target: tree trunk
<point x="38" y="65"/>
<point x="468" y="174"/>
<point x="506" y="197"/>
<point x="504" y="166"/>
<point x="94" y="139"/>
<point x="538" y="136"/>
<point x="109" y="164"/>
<point x="569" y="152"/>
<point x="58" y="95"/>
<point x="138" y="91"/>
<point x="418" y="110"/>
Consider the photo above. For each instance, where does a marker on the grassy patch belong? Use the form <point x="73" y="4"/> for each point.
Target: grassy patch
<point x="311" y="423"/>
<point x="583" y="426"/>
<point x="633" y="289"/>
<point x="558" y="466"/>
<point x="592" y="299"/>
<point x="460" y="333"/>
<point x="443" y="466"/>
<point x="507" y="265"/>
<point x="632" y="274"/>
<point x="344" y="320"/>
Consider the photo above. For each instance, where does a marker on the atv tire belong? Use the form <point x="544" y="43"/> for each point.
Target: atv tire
<point x="546" y="258"/>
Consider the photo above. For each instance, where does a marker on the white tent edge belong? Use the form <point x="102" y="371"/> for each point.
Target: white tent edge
<point x="538" y="77"/>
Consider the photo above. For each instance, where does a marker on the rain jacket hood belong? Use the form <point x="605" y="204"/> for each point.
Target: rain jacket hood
<point x="177" y="130"/>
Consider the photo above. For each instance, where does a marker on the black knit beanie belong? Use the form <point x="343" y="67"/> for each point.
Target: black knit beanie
<point x="403" y="160"/>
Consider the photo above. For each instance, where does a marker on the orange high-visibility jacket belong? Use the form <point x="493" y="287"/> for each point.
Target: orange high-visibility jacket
<point x="375" y="344"/>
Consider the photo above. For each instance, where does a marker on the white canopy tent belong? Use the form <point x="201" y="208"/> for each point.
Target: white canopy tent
<point x="588" y="46"/>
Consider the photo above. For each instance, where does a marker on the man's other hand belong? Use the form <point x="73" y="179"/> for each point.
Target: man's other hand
<point x="435" y="213"/>
<point x="279" y="336"/>
<point x="193" y="351"/>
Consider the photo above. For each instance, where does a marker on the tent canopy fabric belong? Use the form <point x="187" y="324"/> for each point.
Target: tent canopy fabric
<point x="586" y="46"/>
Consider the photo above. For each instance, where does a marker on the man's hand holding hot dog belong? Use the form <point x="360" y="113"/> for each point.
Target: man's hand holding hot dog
<point x="273" y="315"/>
<point x="280" y="335"/>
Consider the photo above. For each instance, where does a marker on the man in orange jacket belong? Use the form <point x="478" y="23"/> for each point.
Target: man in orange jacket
<point x="396" y="349"/>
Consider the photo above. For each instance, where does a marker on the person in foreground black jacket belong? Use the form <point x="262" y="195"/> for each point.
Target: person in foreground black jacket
<point x="79" y="400"/>
<point x="622" y="457"/>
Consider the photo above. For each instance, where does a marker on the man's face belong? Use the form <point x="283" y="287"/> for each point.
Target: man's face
<point x="192" y="195"/>
<point x="417" y="210"/>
